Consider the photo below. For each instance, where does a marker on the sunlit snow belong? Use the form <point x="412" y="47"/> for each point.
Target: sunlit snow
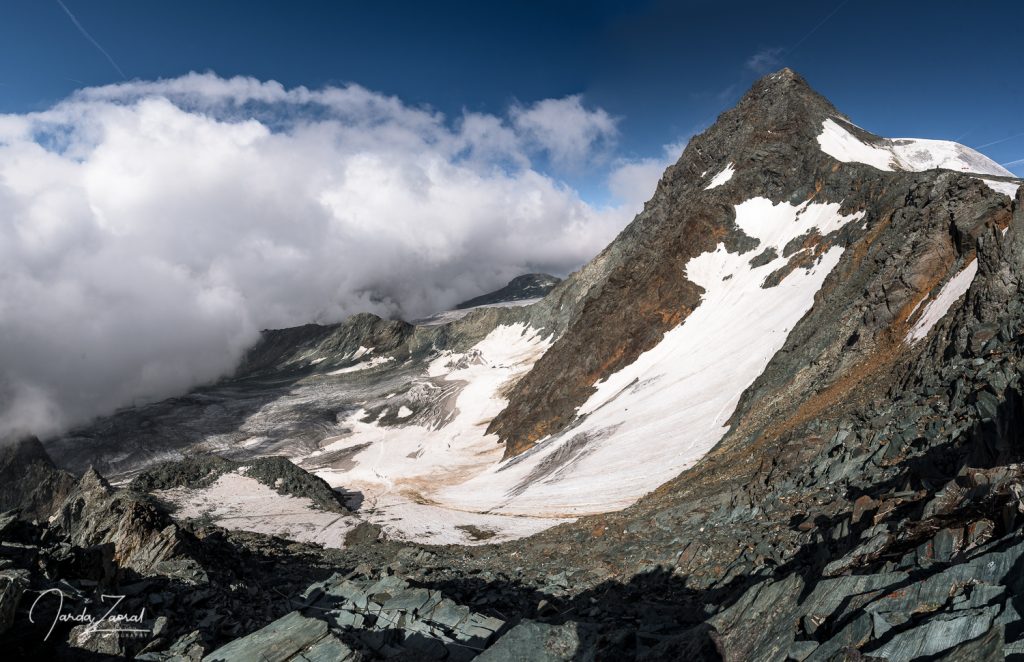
<point x="1006" y="188"/>
<point x="911" y="154"/>
<point x="937" y="308"/>
<point x="721" y="177"/>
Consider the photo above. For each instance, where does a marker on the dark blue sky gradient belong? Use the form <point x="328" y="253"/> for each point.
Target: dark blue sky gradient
<point x="941" y="69"/>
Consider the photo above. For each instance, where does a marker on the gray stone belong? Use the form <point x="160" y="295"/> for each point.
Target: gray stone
<point x="530" y="641"/>
<point x="937" y="635"/>
<point x="282" y="639"/>
<point x="800" y="650"/>
<point x="328" y="649"/>
<point x="411" y="600"/>
<point x="987" y="648"/>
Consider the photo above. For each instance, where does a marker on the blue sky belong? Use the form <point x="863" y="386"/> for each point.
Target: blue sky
<point x="665" y="69"/>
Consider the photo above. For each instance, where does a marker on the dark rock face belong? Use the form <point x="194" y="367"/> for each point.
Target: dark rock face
<point x="12" y="586"/>
<point x="527" y="286"/>
<point x="29" y="481"/>
<point x="284" y="348"/>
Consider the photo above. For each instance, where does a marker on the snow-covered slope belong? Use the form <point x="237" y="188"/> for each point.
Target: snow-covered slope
<point x="662" y="413"/>
<point x="431" y="480"/>
<point x="911" y="154"/>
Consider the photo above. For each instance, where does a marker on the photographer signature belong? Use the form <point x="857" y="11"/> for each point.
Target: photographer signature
<point x="109" y="622"/>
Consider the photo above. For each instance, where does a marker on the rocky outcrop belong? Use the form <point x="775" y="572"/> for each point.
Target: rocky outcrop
<point x="132" y="533"/>
<point x="29" y="481"/>
<point x="520" y="288"/>
<point x="13" y="583"/>
<point x="334" y="345"/>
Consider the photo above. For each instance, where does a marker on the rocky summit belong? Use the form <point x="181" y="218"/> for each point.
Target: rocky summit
<point x="778" y="418"/>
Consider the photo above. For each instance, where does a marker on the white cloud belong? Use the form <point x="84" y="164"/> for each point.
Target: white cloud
<point x="765" y="60"/>
<point x="567" y="131"/>
<point x="633" y="182"/>
<point x="148" y="230"/>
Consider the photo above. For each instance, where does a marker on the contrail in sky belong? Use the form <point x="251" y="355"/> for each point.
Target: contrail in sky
<point x="91" y="40"/>
<point x="815" y="28"/>
<point x="996" y="142"/>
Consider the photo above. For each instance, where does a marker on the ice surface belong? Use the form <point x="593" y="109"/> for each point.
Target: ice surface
<point x="400" y="469"/>
<point x="452" y="315"/>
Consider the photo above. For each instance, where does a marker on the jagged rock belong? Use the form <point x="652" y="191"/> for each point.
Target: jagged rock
<point x="188" y="648"/>
<point x="527" y="286"/>
<point x="937" y="635"/>
<point x="29" y="481"/>
<point x="139" y="535"/>
<point x="987" y="648"/>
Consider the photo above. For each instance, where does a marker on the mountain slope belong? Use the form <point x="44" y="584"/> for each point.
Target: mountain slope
<point x="763" y="282"/>
<point x="780" y="417"/>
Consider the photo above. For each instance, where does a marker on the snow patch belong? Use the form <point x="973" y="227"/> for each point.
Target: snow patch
<point x="1006" y="188"/>
<point x="937" y="308"/>
<point x="236" y="501"/>
<point x="722" y="177"/>
<point x="365" y="365"/>
<point x="404" y="412"/>
<point x="842" y="145"/>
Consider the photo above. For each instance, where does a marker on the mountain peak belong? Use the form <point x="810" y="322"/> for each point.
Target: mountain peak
<point x="788" y="90"/>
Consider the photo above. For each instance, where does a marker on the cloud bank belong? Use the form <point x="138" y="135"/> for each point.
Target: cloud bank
<point x="149" y="230"/>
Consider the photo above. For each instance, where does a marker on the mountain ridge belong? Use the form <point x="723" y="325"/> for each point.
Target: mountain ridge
<point x="779" y="417"/>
